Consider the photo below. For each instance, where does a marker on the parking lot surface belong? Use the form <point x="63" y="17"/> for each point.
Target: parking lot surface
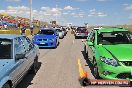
<point x="58" y="67"/>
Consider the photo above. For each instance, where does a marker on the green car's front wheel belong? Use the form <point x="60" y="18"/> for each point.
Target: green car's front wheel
<point x="85" y="51"/>
<point x="95" y="69"/>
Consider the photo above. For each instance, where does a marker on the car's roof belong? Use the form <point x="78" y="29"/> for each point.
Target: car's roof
<point x="46" y="29"/>
<point x="81" y="27"/>
<point x="57" y="28"/>
<point x="111" y="29"/>
<point x="9" y="36"/>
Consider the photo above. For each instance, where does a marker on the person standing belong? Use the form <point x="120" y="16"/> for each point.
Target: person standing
<point x="23" y="29"/>
<point x="31" y="29"/>
<point x="5" y="26"/>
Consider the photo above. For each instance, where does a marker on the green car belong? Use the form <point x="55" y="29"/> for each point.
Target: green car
<point x="110" y="52"/>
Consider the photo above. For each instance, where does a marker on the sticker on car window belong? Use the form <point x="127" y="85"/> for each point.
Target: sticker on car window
<point x="131" y="72"/>
<point x="5" y="43"/>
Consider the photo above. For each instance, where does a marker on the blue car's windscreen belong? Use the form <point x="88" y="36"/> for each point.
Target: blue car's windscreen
<point x="46" y="32"/>
<point x="5" y="48"/>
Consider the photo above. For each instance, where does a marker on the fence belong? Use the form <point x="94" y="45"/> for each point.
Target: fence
<point x="18" y="31"/>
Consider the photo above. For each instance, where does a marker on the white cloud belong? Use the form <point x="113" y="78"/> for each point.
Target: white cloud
<point x="81" y="15"/>
<point x="103" y="0"/>
<point x="51" y="11"/>
<point x="65" y="13"/>
<point x="94" y="13"/>
<point x="125" y="4"/>
<point x="130" y="16"/>
<point x="73" y="14"/>
<point x="81" y="0"/>
<point x="2" y="11"/>
<point x="24" y="11"/>
<point x="100" y="14"/>
<point x="128" y="7"/>
<point x="78" y="15"/>
<point x="17" y="11"/>
<point x="19" y="8"/>
<point x="44" y="13"/>
<point x="13" y="0"/>
<point x="45" y="8"/>
<point x="92" y="10"/>
<point x="70" y="8"/>
<point x="35" y="11"/>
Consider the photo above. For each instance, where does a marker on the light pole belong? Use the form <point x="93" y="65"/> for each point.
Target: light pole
<point x="30" y="13"/>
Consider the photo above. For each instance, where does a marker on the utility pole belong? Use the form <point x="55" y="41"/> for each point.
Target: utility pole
<point x="31" y="13"/>
<point x="57" y="8"/>
<point x="56" y="13"/>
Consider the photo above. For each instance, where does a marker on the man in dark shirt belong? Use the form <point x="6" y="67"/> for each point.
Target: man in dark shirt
<point x="23" y="29"/>
<point x="31" y="29"/>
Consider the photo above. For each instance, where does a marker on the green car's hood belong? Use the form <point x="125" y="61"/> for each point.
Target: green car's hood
<point x="122" y="52"/>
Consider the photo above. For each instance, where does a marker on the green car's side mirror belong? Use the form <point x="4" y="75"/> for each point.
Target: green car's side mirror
<point x="90" y="43"/>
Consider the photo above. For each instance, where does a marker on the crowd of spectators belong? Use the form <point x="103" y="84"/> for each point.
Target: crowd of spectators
<point x="11" y="22"/>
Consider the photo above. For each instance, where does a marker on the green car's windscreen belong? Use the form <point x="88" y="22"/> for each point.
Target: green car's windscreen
<point x="5" y="48"/>
<point x="108" y="38"/>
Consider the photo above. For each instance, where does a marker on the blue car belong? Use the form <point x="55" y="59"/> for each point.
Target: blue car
<point x="18" y="55"/>
<point x="46" y="38"/>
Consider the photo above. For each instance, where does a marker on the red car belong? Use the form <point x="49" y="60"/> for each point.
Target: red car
<point x="81" y="32"/>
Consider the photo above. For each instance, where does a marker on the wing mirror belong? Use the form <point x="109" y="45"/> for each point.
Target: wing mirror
<point x="90" y="43"/>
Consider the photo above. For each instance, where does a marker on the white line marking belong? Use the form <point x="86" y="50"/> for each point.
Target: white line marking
<point x="73" y="41"/>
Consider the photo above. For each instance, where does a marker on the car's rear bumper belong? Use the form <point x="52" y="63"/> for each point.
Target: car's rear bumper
<point x="81" y="35"/>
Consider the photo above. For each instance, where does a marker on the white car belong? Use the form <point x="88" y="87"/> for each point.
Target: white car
<point x="60" y="32"/>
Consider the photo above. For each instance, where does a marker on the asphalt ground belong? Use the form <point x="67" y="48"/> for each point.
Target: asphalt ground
<point x="58" y="68"/>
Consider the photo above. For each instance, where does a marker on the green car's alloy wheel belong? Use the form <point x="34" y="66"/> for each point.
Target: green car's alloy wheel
<point x="84" y="82"/>
<point x="6" y="85"/>
<point x="95" y="69"/>
<point x="85" y="51"/>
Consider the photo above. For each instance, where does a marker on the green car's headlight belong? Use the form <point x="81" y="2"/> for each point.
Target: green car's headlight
<point x="109" y="61"/>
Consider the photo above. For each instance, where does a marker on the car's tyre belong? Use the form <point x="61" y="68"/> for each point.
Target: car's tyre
<point x="34" y="67"/>
<point x="6" y="85"/>
<point x="84" y="82"/>
<point x="85" y="51"/>
<point x="58" y="43"/>
<point x="95" y="69"/>
<point x="55" y="47"/>
<point x="76" y="37"/>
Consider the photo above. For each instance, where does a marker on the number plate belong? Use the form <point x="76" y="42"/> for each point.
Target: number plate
<point x="42" y="43"/>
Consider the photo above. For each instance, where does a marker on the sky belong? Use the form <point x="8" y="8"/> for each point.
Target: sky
<point x="77" y="12"/>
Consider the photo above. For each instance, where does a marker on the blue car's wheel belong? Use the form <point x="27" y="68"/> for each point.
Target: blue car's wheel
<point x="55" y="46"/>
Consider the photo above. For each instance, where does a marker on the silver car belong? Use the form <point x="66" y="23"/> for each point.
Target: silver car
<point x="60" y="33"/>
